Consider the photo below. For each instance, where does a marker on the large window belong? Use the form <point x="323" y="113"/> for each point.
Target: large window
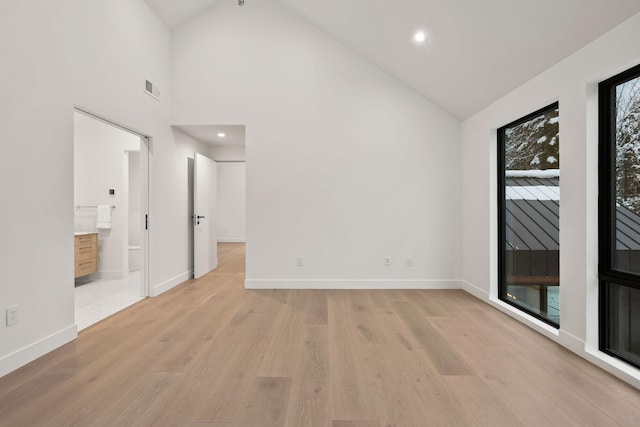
<point x="619" y="216"/>
<point x="529" y="207"/>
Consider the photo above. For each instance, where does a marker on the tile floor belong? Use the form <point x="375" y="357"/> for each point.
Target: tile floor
<point x="99" y="299"/>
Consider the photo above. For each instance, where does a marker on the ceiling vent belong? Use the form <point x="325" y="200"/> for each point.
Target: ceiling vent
<point x="152" y="90"/>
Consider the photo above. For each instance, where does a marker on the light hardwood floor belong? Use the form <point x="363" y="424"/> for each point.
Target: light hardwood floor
<point x="210" y="353"/>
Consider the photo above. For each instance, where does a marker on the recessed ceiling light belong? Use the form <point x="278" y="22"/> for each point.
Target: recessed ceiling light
<point x="221" y="135"/>
<point x="420" y="37"/>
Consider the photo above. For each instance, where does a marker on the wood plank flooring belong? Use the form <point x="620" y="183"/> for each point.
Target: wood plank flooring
<point x="210" y="353"/>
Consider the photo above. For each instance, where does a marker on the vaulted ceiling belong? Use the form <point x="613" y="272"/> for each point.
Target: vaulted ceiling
<point x="475" y="52"/>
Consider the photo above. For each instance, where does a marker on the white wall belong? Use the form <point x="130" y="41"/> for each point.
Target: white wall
<point x="36" y="179"/>
<point x="95" y="55"/>
<point x="573" y="82"/>
<point x="99" y="165"/>
<point x="231" y="206"/>
<point x="217" y="152"/>
<point x="345" y="165"/>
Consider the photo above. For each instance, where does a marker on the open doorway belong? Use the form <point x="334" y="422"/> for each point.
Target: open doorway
<point x="226" y="147"/>
<point x="110" y="206"/>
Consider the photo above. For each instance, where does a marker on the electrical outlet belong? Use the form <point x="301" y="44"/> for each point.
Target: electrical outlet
<point x="300" y="261"/>
<point x="13" y="315"/>
<point x="387" y="261"/>
<point x="409" y="261"/>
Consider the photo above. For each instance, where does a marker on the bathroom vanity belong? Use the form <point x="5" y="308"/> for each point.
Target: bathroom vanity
<point x="86" y="253"/>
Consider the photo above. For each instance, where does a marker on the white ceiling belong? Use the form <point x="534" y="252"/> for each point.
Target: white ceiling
<point x="234" y="134"/>
<point x="175" y="12"/>
<point x="477" y="51"/>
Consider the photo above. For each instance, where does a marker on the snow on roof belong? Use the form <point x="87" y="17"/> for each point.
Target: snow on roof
<point x="532" y="192"/>
<point x="535" y="173"/>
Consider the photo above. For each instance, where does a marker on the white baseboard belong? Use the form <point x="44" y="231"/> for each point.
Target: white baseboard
<point x="350" y="284"/>
<point x="171" y="283"/>
<point x="615" y="367"/>
<point x="19" y="358"/>
<point x="572" y="342"/>
<point x="569" y="341"/>
<point x="530" y="321"/>
<point x="475" y="291"/>
<point x="232" y="240"/>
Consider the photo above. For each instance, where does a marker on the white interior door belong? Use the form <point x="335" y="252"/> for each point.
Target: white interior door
<point x="205" y="244"/>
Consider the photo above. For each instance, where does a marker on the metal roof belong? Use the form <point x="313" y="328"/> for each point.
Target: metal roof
<point x="532" y="224"/>
<point x="532" y="213"/>
<point x="524" y="181"/>
<point x="532" y="216"/>
<point x="628" y="229"/>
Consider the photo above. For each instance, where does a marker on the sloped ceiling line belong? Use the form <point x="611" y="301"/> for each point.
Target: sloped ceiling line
<point x="475" y="52"/>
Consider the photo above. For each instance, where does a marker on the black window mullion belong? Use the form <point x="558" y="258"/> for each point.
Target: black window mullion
<point x="502" y="222"/>
<point x="606" y="180"/>
<point x="627" y="279"/>
<point x="613" y="280"/>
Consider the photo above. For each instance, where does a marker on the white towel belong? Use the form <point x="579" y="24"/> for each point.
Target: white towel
<point x="104" y="217"/>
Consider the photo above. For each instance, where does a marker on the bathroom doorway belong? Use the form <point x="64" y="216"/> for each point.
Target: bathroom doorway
<point x="111" y="192"/>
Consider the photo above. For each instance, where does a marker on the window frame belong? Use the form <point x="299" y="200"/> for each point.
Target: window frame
<point x="502" y="274"/>
<point x="607" y="274"/>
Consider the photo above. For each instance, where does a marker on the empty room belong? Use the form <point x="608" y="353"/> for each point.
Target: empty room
<point x="329" y="213"/>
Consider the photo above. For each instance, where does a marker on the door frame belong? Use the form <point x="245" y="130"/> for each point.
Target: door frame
<point x="146" y="144"/>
